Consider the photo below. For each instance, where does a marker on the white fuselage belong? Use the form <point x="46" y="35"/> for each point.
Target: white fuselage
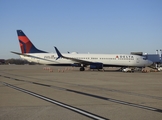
<point x="106" y="59"/>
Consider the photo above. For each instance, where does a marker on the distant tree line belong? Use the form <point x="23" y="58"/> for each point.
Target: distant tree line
<point x="17" y="61"/>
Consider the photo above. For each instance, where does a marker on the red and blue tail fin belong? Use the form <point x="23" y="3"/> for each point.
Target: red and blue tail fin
<point x="26" y="45"/>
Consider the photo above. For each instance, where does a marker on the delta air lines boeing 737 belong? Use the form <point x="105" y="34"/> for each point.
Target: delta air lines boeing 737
<point x="94" y="61"/>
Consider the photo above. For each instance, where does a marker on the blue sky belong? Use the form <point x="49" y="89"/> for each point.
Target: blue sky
<point x="95" y="26"/>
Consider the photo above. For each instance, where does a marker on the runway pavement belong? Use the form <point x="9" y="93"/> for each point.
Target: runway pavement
<point x="35" y="92"/>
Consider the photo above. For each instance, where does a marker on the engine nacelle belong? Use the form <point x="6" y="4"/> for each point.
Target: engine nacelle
<point x="76" y="65"/>
<point x="96" y="66"/>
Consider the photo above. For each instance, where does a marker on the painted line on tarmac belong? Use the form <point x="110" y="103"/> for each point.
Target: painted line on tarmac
<point x="125" y="92"/>
<point x="118" y="101"/>
<point x="94" y="96"/>
<point x="103" y="98"/>
<point x="105" y="89"/>
<point x="77" y="110"/>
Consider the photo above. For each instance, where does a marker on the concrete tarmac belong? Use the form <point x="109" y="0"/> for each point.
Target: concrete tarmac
<point x="110" y="95"/>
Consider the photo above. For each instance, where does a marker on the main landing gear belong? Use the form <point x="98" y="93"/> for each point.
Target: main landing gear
<point x="82" y="68"/>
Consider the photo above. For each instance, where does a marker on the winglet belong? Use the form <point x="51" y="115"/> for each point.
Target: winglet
<point x="58" y="53"/>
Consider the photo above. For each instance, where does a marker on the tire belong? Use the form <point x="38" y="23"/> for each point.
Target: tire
<point x="82" y="69"/>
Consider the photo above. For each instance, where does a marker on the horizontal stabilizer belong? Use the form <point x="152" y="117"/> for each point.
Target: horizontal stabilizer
<point x="27" y="55"/>
<point x="19" y="53"/>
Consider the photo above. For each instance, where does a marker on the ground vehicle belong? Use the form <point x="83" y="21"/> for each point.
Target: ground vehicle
<point x="128" y="70"/>
<point x="159" y="68"/>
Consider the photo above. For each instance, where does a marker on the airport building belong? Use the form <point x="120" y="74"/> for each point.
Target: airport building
<point x="156" y="58"/>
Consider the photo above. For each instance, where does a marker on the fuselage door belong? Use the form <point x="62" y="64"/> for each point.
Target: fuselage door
<point x="137" y="60"/>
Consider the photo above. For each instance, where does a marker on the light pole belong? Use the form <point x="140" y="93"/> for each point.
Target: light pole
<point x="160" y="56"/>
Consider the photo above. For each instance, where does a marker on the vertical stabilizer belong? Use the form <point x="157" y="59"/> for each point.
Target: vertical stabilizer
<point x="26" y="45"/>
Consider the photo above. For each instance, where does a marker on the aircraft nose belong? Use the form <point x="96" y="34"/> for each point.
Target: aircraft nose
<point x="150" y="62"/>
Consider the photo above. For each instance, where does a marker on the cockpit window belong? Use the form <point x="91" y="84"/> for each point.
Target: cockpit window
<point x="144" y="58"/>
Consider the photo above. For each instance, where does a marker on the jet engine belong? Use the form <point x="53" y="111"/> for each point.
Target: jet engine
<point x="96" y="66"/>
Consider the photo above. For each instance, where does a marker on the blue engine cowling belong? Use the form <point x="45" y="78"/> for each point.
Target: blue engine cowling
<point x="76" y="65"/>
<point x="96" y="66"/>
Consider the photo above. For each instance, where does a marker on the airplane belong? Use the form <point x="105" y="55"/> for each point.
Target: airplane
<point x="94" y="61"/>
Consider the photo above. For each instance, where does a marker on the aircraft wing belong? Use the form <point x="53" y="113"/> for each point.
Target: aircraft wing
<point x="73" y="59"/>
<point x="27" y="55"/>
<point x="78" y="60"/>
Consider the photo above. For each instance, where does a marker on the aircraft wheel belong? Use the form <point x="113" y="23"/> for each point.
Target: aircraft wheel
<point x="82" y="69"/>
